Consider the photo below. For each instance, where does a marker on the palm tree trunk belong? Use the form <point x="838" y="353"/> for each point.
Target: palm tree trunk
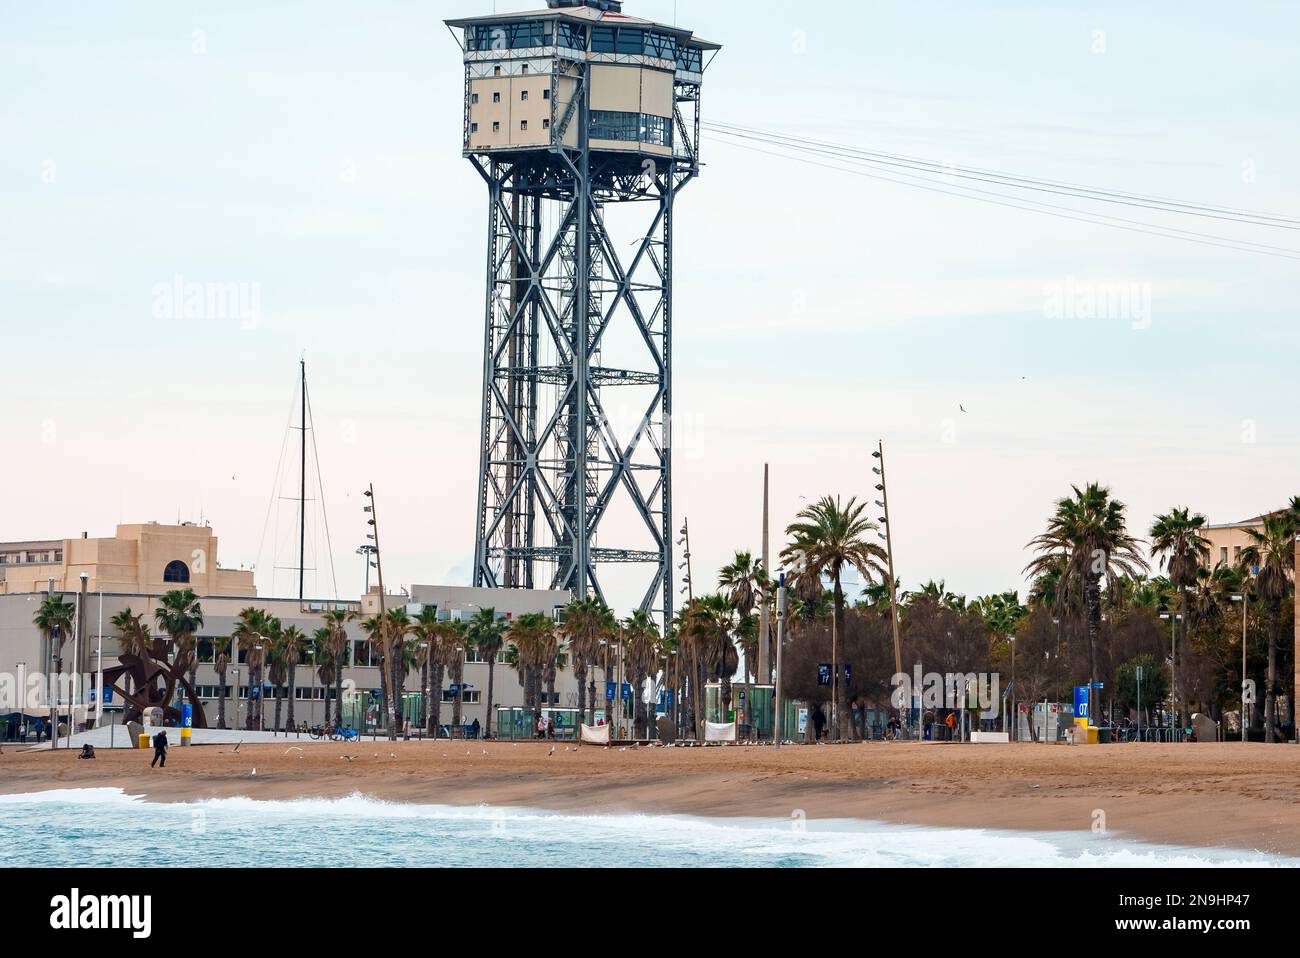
<point x="1094" y="630"/>
<point x="398" y="681"/>
<point x="338" y="695"/>
<point x="580" y="673"/>
<point x="457" y="679"/>
<point x="1270" y="689"/>
<point x="293" y="681"/>
<point x="221" y="699"/>
<point x="492" y="676"/>
<point x="435" y="713"/>
<point x="424" y="692"/>
<point x="279" y="707"/>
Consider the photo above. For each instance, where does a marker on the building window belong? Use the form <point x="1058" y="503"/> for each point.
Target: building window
<point x="631" y="127"/>
<point x="473" y="98"/>
<point x="546" y="124"/>
<point x="1223" y="555"/>
<point x="176" y="571"/>
<point x="496" y="97"/>
<point x="523" y="95"/>
<point x="473" y="127"/>
<point x="525" y="69"/>
<point x="496" y="127"/>
<point x="496" y="71"/>
<point x="602" y="40"/>
<point x="1236" y="553"/>
<point x="690" y="60"/>
<point x="523" y="124"/>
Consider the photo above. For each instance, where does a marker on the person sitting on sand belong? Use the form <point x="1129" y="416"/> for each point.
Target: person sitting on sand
<point x="87" y="751"/>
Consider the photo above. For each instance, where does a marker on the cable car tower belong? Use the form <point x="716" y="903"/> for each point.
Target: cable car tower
<point x="585" y="125"/>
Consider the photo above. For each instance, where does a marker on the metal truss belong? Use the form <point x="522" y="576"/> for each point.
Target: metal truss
<point x="576" y="457"/>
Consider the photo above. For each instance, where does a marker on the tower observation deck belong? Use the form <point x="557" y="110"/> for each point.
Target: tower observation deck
<point x="584" y="124"/>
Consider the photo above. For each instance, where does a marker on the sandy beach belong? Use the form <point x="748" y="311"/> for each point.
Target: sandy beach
<point x="1233" y="796"/>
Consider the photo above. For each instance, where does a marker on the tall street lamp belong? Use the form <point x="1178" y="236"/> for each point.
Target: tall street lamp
<point x="1244" y="605"/>
<point x="1173" y="618"/>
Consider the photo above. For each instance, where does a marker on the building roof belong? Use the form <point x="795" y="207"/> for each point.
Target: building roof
<point x="587" y="15"/>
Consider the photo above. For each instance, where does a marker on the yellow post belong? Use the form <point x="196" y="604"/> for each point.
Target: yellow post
<point x="142" y="740"/>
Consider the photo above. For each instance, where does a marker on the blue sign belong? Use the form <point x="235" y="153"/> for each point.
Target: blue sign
<point x="108" y="695"/>
<point x="627" y="692"/>
<point x="824" y="674"/>
<point x="609" y="691"/>
<point x="1081" y="701"/>
<point x="187" y="715"/>
<point x="375" y="693"/>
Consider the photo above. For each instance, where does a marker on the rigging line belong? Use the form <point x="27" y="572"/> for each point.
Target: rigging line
<point x="1095" y="219"/>
<point x="320" y="485"/>
<point x="1164" y="205"/>
<point x="275" y="488"/>
<point x="1105" y="216"/>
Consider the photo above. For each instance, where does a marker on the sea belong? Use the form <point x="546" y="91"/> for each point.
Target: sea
<point x="104" y="827"/>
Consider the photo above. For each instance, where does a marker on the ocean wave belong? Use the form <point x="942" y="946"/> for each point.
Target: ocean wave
<point x="333" y="829"/>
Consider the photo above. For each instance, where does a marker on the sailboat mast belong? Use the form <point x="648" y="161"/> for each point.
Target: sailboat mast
<point x="302" y="496"/>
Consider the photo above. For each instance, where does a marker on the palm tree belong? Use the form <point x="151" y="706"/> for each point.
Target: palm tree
<point x="532" y="637"/>
<point x="487" y="632"/>
<point x="221" y="664"/>
<point x="337" y="645"/>
<point x="746" y="583"/>
<point x="320" y="652"/>
<point x="1087" y="539"/>
<point x="426" y="631"/>
<point x="716" y="623"/>
<point x="1271" y="556"/>
<point x="133" y="637"/>
<point x="278" y="673"/>
<point x="374" y="630"/>
<point x="827" y="538"/>
<point x="1176" y="538"/>
<point x="293" y="643"/>
<point x="397" y="627"/>
<point x="180" y="616"/>
<point x="641" y="657"/>
<point x="54" y="618"/>
<point x="253" y="633"/>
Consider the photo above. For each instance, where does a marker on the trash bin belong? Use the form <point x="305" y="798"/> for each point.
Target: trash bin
<point x="142" y="741"/>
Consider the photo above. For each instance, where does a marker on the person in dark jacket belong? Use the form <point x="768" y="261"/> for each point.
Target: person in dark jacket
<point x="159" y="750"/>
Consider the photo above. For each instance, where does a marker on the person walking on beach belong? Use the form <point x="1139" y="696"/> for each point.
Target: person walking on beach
<point x="159" y="750"/>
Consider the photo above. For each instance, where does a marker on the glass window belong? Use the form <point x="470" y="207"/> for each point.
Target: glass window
<point x="690" y="59"/>
<point x="176" y="571"/>
<point x="572" y="37"/>
<point x="602" y="39"/>
<point x="660" y="45"/>
<point x="631" y="40"/>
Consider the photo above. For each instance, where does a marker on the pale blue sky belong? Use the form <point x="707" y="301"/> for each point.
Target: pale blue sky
<point x="311" y="149"/>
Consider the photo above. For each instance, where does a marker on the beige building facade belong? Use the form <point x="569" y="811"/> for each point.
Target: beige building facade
<point x="141" y="558"/>
<point x="133" y="570"/>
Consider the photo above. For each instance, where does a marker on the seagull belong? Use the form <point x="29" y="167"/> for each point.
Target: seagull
<point x="348" y="757"/>
<point x="237" y="746"/>
<point x="253" y="773"/>
<point x="551" y="752"/>
<point x="962" y="408"/>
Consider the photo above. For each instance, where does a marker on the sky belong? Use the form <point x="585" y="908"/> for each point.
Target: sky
<point x="309" y="152"/>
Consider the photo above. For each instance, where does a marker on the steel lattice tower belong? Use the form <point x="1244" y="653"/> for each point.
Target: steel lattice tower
<point x="584" y="123"/>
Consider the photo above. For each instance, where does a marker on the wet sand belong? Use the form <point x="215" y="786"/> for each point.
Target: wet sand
<point x="1228" y="795"/>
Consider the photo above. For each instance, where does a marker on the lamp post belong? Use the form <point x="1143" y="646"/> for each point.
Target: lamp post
<point x="367" y="551"/>
<point x="22" y="694"/>
<point x="1172" y="618"/>
<point x="1244" y="605"/>
<point x="883" y="502"/>
<point x="1015" y="714"/>
<point x="778" y="719"/>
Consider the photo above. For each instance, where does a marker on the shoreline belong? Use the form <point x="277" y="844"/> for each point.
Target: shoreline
<point x="1222" y="796"/>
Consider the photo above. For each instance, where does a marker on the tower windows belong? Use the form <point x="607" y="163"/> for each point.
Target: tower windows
<point x="176" y="571"/>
